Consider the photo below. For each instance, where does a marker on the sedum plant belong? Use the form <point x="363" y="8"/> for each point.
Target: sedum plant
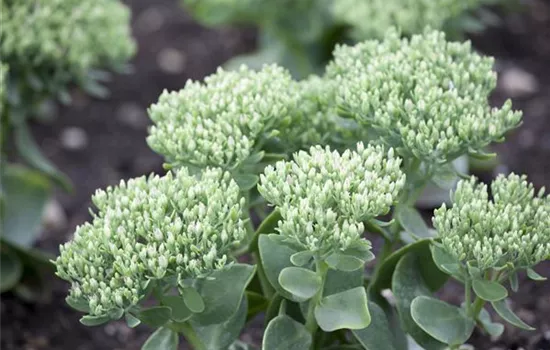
<point x="45" y="48"/>
<point x="289" y="176"/>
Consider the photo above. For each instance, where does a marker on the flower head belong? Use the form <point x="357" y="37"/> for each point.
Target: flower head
<point x="175" y="226"/>
<point x="49" y="44"/>
<point x="513" y="228"/>
<point x="224" y="120"/>
<point x="424" y="96"/>
<point x="324" y="196"/>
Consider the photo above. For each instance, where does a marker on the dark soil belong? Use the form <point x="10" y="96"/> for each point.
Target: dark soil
<point x="98" y="142"/>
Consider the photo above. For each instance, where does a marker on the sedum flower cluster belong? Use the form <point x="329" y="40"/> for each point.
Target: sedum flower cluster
<point x="49" y="44"/>
<point x="411" y="16"/>
<point x="175" y="226"/>
<point x="513" y="227"/>
<point x="324" y="196"/>
<point x="424" y="96"/>
<point x="224" y="120"/>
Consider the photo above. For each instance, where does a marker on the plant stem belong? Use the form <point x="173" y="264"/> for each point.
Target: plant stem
<point x="321" y="269"/>
<point x="468" y="295"/>
<point x="476" y="307"/>
<point x="190" y="335"/>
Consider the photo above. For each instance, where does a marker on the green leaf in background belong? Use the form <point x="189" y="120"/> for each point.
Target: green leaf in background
<point x="503" y="309"/>
<point x="29" y="151"/>
<point x="532" y="274"/>
<point x="91" y="321"/>
<point x="193" y="300"/>
<point x="266" y="227"/>
<point x="377" y="335"/>
<point x="514" y="283"/>
<point x="339" y="281"/>
<point x="300" y="282"/>
<point x="26" y="191"/>
<point x="162" y="339"/>
<point x="343" y="262"/>
<point x="494" y="329"/>
<point x="246" y="181"/>
<point x="407" y="284"/>
<point x="256" y="304"/>
<point x="11" y="269"/>
<point x="78" y="304"/>
<point x="222" y="294"/>
<point x="156" y="316"/>
<point x="446" y="323"/>
<point x="179" y="310"/>
<point x="412" y="222"/>
<point x="221" y="336"/>
<point x="445" y="176"/>
<point x="344" y="310"/>
<point x="283" y="333"/>
<point x="433" y="276"/>
<point x="275" y="257"/>
<point x="489" y="290"/>
<point x="301" y="258"/>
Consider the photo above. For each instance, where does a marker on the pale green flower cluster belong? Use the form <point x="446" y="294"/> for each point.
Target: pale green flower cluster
<point x="175" y="226"/>
<point x="51" y="43"/>
<point x="424" y="96"/>
<point x="514" y="227"/>
<point x="224" y="120"/>
<point x="324" y="196"/>
<point x="371" y="18"/>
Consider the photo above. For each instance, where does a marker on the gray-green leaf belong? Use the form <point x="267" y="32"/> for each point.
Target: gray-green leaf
<point x="301" y="258"/>
<point x="489" y="290"/>
<point x="275" y="257"/>
<point x="283" y="333"/>
<point x="155" y="316"/>
<point x="162" y="339"/>
<point x="503" y="309"/>
<point x="412" y="222"/>
<point x="300" y="282"/>
<point x="344" y="310"/>
<point x="377" y="335"/>
<point x="10" y="269"/>
<point x="91" y="321"/>
<point x="446" y="323"/>
<point x="343" y="262"/>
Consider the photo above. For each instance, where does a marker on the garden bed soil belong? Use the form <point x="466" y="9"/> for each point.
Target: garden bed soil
<point x="99" y="142"/>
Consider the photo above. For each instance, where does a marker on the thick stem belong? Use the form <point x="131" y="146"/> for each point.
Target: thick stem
<point x="190" y="335"/>
<point x="468" y="295"/>
<point x="476" y="307"/>
<point x="321" y="269"/>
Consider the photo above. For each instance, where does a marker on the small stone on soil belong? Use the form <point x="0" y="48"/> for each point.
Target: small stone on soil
<point x="54" y="217"/>
<point x="74" y="138"/>
<point x="171" y="61"/>
<point x="515" y="82"/>
<point x="133" y="115"/>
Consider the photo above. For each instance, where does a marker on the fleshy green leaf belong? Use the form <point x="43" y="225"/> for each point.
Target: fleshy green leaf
<point x="301" y="258"/>
<point x="26" y="194"/>
<point x="377" y="335"/>
<point x="300" y="282"/>
<point x="283" y="333"/>
<point x="445" y="177"/>
<point x="343" y="262"/>
<point x="275" y="257"/>
<point x="266" y="227"/>
<point x="223" y="293"/>
<point x="489" y="290"/>
<point x="339" y="281"/>
<point x="179" y="310"/>
<point x="246" y="181"/>
<point x="412" y="222"/>
<point x="91" y="321"/>
<point x="503" y="309"/>
<point x="532" y="274"/>
<point x="162" y="339"/>
<point x="11" y="269"/>
<point x="446" y="323"/>
<point x="444" y="261"/>
<point x="514" y="284"/>
<point x="256" y="304"/>
<point x="344" y="310"/>
<point x="493" y="328"/>
<point x="193" y="300"/>
<point x="131" y="320"/>
<point x="155" y="316"/>
<point x="78" y="304"/>
<point x="433" y="276"/>
<point x="407" y="284"/>
<point x="220" y="336"/>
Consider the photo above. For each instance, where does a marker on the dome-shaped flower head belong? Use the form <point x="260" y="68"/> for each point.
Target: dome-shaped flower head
<point x="49" y="44"/>
<point x="175" y="227"/>
<point x="324" y="196"/>
<point x="424" y="96"/>
<point x="411" y="16"/>
<point x="224" y="120"/>
<point x="512" y="228"/>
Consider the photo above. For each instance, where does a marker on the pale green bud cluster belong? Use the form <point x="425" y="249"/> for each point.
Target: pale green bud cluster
<point x="424" y="96"/>
<point x="371" y="18"/>
<point x="49" y="44"/>
<point x="175" y="226"/>
<point x="512" y="228"/>
<point x="224" y="120"/>
<point x="324" y="196"/>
